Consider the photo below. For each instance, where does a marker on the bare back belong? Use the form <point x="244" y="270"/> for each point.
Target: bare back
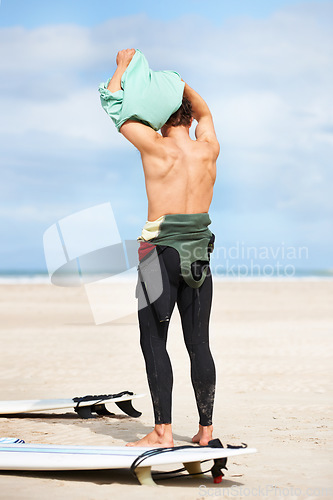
<point x="180" y="172"/>
<point x="180" y="176"/>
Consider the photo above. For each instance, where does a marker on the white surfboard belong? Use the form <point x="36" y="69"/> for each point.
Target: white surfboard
<point x="44" y="457"/>
<point x="85" y="406"/>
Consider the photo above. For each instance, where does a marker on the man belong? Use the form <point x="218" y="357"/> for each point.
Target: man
<point x="180" y="175"/>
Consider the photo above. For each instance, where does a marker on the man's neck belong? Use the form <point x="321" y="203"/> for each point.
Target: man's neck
<point x="180" y="133"/>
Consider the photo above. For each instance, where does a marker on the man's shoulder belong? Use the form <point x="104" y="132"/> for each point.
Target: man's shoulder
<point x="208" y="149"/>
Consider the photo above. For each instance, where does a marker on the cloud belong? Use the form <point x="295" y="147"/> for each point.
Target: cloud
<point x="77" y="115"/>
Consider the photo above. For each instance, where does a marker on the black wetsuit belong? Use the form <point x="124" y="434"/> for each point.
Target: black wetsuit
<point x="194" y="305"/>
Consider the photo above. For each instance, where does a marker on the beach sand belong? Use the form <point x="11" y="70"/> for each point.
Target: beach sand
<point x="272" y="343"/>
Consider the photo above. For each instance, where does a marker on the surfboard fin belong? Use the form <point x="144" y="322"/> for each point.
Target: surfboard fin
<point x="102" y="410"/>
<point x="84" y="411"/>
<point x="194" y="468"/>
<point x="144" y="476"/>
<point x="127" y="407"/>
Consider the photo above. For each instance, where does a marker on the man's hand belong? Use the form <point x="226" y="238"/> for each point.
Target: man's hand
<point x="123" y="59"/>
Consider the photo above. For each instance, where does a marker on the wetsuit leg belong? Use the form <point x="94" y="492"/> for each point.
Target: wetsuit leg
<point x="194" y="306"/>
<point x="153" y="338"/>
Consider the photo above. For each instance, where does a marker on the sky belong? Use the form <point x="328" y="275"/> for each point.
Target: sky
<point x="264" y="68"/>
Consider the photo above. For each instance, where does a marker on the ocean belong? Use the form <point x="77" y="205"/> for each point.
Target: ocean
<point x="238" y="274"/>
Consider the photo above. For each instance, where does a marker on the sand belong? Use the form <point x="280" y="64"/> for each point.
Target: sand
<point x="272" y="343"/>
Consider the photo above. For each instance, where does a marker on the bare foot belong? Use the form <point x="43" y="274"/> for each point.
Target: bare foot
<point x="204" y="435"/>
<point x="160" y="437"/>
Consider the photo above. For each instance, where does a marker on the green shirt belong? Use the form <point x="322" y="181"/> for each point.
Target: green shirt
<point x="147" y="96"/>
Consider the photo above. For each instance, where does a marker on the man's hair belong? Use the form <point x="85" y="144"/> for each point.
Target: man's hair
<point x="182" y="116"/>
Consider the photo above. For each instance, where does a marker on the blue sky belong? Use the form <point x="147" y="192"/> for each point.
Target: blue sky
<point x="265" y="69"/>
<point x="91" y="12"/>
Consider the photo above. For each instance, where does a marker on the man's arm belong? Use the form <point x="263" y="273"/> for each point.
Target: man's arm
<point x="204" y="131"/>
<point x="141" y="136"/>
<point x="123" y="59"/>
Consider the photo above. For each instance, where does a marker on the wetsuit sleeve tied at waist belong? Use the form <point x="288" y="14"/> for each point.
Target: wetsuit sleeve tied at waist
<point x="190" y="236"/>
